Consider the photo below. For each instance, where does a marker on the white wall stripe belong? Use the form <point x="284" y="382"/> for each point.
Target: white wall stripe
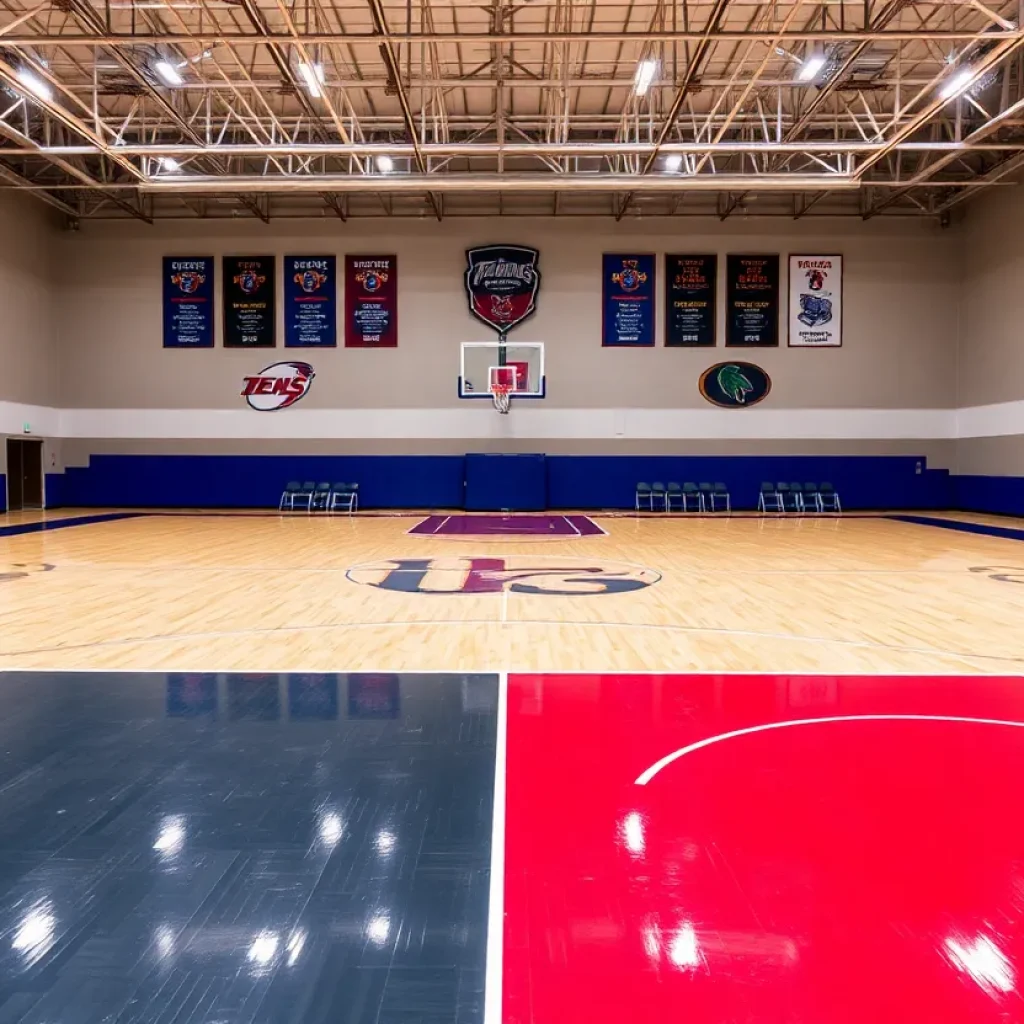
<point x="528" y="420"/>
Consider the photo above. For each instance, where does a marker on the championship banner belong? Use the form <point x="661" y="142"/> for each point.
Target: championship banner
<point x="188" y="302"/>
<point x="690" y="300"/>
<point x="752" y="301"/>
<point x="627" y="300"/>
<point x="371" y="301"/>
<point x="249" y="289"/>
<point x="815" y="301"/>
<point x="310" y="302"/>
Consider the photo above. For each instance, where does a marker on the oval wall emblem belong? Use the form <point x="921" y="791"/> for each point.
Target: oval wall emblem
<point x="735" y="385"/>
<point x="278" y="386"/>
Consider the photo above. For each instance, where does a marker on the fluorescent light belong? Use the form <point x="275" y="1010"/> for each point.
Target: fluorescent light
<point x="313" y="76"/>
<point x="645" y="72"/>
<point x="810" y="67"/>
<point x="35" y="84"/>
<point x="168" y="72"/>
<point x="385" y="164"/>
<point x="168" y="163"/>
<point x="956" y="85"/>
<point x="673" y="161"/>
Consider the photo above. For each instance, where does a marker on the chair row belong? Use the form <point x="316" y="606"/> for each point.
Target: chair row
<point x="794" y="497"/>
<point x="323" y="497"/>
<point x="703" y="497"/>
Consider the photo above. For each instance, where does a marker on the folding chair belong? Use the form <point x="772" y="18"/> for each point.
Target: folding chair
<point x="674" y="493"/>
<point x="797" y="491"/>
<point x="829" y="498"/>
<point x="811" y="493"/>
<point x="787" y="500"/>
<point x="690" y="491"/>
<point x="706" y="497"/>
<point x="658" y="493"/>
<point x="291" y="490"/>
<point x="721" y="493"/>
<point x="304" y="495"/>
<point x="769" y="499"/>
<point x="342" y="495"/>
<point x="643" y="493"/>
<point x="321" y="496"/>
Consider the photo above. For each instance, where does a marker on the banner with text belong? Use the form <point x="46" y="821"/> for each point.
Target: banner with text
<point x="250" y="320"/>
<point x="752" y="301"/>
<point x="815" y="301"/>
<point x="690" y="295"/>
<point x="371" y="301"/>
<point x="188" y="302"/>
<point x="310" y="302"/>
<point x="627" y="300"/>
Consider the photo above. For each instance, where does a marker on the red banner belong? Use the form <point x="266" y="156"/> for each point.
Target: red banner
<point x="371" y="301"/>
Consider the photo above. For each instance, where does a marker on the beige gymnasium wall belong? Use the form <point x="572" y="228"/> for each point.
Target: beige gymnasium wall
<point x="29" y="371"/>
<point x="900" y="328"/>
<point x="990" y="356"/>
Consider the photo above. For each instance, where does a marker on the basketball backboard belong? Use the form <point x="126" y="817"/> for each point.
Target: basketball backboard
<point x="519" y="363"/>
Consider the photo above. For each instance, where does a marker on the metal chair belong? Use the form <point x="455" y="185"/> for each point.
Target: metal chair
<point x="658" y="493"/>
<point x="343" y="495"/>
<point x="643" y="493"/>
<point x="673" y="493"/>
<point x="690" y="491"/>
<point x="797" y="491"/>
<point x="721" y="493"/>
<point x="811" y="492"/>
<point x="769" y="499"/>
<point x="288" y="495"/>
<point x="303" y="495"/>
<point x="321" y="496"/>
<point x="706" y="492"/>
<point x="829" y="498"/>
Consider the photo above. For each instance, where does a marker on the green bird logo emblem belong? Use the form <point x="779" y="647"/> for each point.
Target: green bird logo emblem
<point x="734" y="383"/>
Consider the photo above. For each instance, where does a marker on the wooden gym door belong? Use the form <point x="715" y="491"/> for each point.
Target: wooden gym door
<point x="24" y="474"/>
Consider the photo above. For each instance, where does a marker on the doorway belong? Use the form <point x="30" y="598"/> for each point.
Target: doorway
<point x="24" y="474"/>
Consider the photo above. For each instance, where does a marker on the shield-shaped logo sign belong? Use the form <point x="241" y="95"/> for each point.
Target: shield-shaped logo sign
<point x="502" y="282"/>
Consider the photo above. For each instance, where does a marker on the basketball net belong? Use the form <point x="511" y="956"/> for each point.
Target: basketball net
<point x="500" y="393"/>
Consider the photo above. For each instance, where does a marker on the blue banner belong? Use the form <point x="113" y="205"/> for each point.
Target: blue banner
<point x="310" y="302"/>
<point x="627" y="300"/>
<point x="188" y="302"/>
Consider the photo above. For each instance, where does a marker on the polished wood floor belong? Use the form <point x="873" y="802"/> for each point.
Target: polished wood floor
<point x="266" y="593"/>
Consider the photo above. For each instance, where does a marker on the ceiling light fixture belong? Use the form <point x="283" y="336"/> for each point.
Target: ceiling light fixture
<point x="385" y="164"/>
<point x="673" y="162"/>
<point x="168" y="163"/>
<point x="313" y="76"/>
<point x="645" y="72"/>
<point x="168" y="72"/>
<point x="957" y="84"/>
<point x="35" y="85"/>
<point x="812" y="64"/>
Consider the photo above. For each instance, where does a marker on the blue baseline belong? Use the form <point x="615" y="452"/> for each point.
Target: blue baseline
<point x="61" y="524"/>
<point x="952" y="524"/>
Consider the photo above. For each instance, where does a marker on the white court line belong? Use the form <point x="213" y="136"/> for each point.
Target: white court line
<point x="496" y="898"/>
<point x="646" y="777"/>
<point x="572" y="526"/>
<point x="440" y="526"/>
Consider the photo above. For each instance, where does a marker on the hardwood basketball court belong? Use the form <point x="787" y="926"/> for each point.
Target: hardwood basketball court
<point x="262" y="592"/>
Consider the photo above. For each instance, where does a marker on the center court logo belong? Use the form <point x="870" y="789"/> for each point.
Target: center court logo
<point x="565" y="577"/>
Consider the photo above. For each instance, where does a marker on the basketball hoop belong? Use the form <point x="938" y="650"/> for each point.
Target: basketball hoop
<point x="501" y="382"/>
<point x="501" y="394"/>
